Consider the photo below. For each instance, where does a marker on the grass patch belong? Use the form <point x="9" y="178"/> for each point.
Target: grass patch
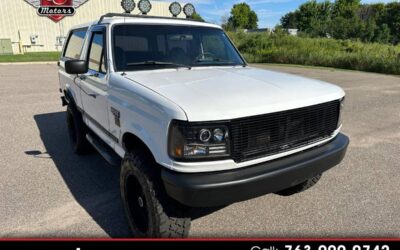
<point x="31" y="57"/>
<point x="303" y="66"/>
<point x="342" y="54"/>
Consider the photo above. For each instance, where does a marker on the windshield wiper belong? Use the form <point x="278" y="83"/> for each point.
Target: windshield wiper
<point x="214" y="60"/>
<point x="150" y="63"/>
<point x="219" y="61"/>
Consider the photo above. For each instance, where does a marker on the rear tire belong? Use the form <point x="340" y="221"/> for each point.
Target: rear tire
<point x="150" y="211"/>
<point x="77" y="130"/>
<point x="300" y="187"/>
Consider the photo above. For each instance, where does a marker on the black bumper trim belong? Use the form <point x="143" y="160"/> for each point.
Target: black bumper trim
<point x="227" y="187"/>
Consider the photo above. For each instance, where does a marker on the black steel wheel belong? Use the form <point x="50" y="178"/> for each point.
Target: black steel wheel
<point x="137" y="205"/>
<point x="151" y="213"/>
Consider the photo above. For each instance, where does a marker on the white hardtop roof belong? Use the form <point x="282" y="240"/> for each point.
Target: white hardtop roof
<point x="149" y="20"/>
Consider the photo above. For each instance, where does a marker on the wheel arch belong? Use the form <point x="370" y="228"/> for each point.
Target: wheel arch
<point x="131" y="142"/>
<point x="69" y="97"/>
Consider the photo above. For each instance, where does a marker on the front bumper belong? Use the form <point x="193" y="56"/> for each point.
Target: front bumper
<point x="227" y="187"/>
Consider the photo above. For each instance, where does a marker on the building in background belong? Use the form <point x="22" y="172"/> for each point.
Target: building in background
<point x="293" y="32"/>
<point x="257" y="30"/>
<point x="21" y="27"/>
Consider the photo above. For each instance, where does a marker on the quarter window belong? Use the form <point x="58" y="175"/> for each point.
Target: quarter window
<point x="75" y="44"/>
<point x="96" y="53"/>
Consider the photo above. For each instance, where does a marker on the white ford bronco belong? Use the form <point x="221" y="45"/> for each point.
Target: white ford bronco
<point x="191" y="124"/>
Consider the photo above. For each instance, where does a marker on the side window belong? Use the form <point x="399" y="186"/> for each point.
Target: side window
<point x="75" y="44"/>
<point x="96" y="53"/>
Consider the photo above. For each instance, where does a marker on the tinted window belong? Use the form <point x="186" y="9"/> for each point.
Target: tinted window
<point x="187" y="45"/>
<point x="213" y="45"/>
<point x="75" y="44"/>
<point x="125" y="42"/>
<point x="96" y="53"/>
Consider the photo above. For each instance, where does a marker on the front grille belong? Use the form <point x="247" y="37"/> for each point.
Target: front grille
<point x="265" y="135"/>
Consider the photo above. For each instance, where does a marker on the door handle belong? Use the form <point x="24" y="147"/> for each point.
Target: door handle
<point x="93" y="95"/>
<point x="83" y="77"/>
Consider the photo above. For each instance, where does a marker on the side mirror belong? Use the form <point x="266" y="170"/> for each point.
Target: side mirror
<point x="75" y="67"/>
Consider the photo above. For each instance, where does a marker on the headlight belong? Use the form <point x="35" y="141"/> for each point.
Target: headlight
<point x="219" y="135"/>
<point x="342" y="106"/>
<point x="198" y="141"/>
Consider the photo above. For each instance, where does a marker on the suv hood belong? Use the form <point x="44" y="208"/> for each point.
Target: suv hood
<point x="210" y="94"/>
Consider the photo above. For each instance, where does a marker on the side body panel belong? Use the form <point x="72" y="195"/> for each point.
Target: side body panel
<point x="94" y="92"/>
<point x="125" y="106"/>
<point x="143" y="113"/>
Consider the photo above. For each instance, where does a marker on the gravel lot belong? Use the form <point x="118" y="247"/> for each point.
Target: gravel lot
<point x="47" y="191"/>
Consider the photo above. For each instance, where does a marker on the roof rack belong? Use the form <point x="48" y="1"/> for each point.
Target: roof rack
<point x="143" y="16"/>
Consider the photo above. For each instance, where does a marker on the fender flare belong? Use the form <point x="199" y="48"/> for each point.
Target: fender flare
<point x="138" y="142"/>
<point x="69" y="97"/>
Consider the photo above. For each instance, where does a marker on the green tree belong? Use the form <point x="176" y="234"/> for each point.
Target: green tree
<point x="368" y="31"/>
<point x="346" y="8"/>
<point x="253" y="21"/>
<point x="196" y="16"/>
<point x="391" y="17"/>
<point x="371" y="11"/>
<point x="226" y="25"/>
<point x="242" y="17"/>
<point x="290" y="20"/>
<point x="346" y="28"/>
<point x="347" y="19"/>
<point x="313" y="17"/>
<point x="308" y="13"/>
<point x="382" y="34"/>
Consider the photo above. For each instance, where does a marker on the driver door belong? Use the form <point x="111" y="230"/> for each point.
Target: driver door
<point x="94" y="86"/>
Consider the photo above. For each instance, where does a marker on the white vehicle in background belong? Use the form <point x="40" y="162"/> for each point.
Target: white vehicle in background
<point x="175" y="105"/>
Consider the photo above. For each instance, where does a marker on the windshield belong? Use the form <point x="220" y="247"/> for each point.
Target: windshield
<point x="138" y="47"/>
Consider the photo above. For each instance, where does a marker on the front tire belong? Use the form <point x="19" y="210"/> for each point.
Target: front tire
<point x="150" y="211"/>
<point x="77" y="131"/>
<point x="300" y="187"/>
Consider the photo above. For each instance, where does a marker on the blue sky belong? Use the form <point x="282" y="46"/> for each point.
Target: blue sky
<point x="269" y="11"/>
